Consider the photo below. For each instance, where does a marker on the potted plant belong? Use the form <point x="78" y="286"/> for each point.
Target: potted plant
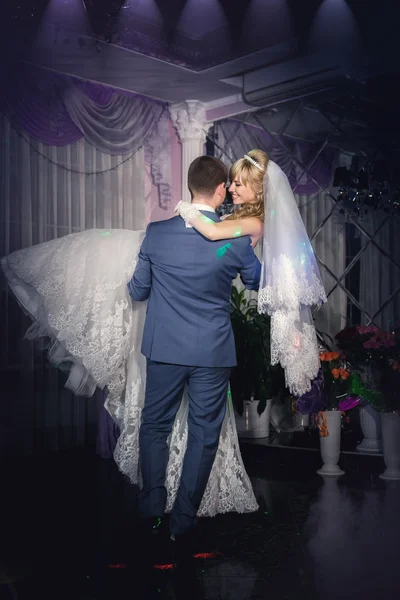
<point x="390" y="415"/>
<point x="336" y="394"/>
<point x="328" y="398"/>
<point x="371" y="352"/>
<point x="254" y="382"/>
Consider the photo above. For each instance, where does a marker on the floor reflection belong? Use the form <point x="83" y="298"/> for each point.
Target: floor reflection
<point x="312" y="538"/>
<point x="352" y="537"/>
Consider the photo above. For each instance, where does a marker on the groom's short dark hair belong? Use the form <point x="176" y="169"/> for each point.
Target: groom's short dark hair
<point x="205" y="174"/>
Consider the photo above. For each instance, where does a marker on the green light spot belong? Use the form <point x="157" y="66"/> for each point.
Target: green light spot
<point x="206" y="219"/>
<point x="266" y="513"/>
<point x="158" y="524"/>
<point x="238" y="232"/>
<point x="106" y="233"/>
<point x="273" y="212"/>
<point x="221" y="251"/>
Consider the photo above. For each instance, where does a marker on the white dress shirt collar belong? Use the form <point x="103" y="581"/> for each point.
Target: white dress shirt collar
<point x="204" y="207"/>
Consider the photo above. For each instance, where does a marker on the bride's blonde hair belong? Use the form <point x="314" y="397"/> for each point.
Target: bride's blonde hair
<point x="247" y="173"/>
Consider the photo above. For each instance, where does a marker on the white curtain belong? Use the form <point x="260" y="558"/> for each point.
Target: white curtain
<point x="330" y="248"/>
<point x="379" y="276"/>
<point x="43" y="197"/>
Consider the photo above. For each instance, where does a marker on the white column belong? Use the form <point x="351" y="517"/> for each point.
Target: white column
<point x="189" y="118"/>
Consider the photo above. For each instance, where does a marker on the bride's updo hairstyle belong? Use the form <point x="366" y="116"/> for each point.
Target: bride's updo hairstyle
<point x="246" y="172"/>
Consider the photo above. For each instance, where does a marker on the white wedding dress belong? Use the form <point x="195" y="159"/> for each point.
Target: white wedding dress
<point x="75" y="290"/>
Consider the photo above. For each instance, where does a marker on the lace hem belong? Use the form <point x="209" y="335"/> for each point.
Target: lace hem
<point x="228" y="488"/>
<point x="290" y="287"/>
<point x="293" y="287"/>
<point x="294" y="345"/>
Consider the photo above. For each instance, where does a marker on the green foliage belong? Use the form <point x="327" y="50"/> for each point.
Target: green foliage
<point x="254" y="376"/>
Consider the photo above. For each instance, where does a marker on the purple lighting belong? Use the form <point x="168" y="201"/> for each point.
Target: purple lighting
<point x="69" y="15"/>
<point x="335" y="30"/>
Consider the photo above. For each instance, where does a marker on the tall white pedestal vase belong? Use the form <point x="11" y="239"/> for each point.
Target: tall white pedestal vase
<point x="330" y="444"/>
<point x="370" y="421"/>
<point x="391" y="445"/>
<point x="252" y="425"/>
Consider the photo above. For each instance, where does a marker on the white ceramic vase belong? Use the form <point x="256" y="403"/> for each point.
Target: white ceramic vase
<point x="370" y="421"/>
<point x="330" y="445"/>
<point x="391" y="446"/>
<point x="252" y="425"/>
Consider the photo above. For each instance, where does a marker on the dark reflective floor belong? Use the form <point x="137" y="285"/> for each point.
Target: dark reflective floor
<point x="69" y="530"/>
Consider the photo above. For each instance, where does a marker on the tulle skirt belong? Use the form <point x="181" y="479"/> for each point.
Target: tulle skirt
<point x="75" y="290"/>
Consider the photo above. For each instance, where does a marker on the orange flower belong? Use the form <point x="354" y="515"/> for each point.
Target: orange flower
<point x="344" y="374"/>
<point x="335" y="373"/>
<point x="329" y="356"/>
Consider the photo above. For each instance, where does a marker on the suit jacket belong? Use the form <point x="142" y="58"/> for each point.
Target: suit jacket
<point x="187" y="280"/>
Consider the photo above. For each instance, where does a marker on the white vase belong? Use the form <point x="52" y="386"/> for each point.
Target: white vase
<point x="391" y="446"/>
<point x="370" y="421"/>
<point x="330" y="445"/>
<point x="252" y="425"/>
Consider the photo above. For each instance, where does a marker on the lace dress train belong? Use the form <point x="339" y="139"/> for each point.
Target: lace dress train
<point x="74" y="288"/>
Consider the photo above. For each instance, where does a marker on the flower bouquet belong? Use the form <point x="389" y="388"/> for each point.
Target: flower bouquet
<point x="336" y="376"/>
<point x="330" y="389"/>
<point x="329" y="392"/>
<point x="375" y="358"/>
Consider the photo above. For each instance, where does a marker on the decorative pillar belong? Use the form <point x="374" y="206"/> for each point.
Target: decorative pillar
<point x="189" y="119"/>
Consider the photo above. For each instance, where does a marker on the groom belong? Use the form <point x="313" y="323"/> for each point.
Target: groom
<point x="187" y="340"/>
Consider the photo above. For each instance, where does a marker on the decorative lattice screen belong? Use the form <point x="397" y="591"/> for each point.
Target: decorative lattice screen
<point x="359" y="258"/>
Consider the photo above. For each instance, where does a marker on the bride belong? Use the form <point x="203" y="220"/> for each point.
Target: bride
<point x="75" y="290"/>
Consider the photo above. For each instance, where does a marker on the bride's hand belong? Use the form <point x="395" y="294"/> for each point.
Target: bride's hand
<point x="188" y="212"/>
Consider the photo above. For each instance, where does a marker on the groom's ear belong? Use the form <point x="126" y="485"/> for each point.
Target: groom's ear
<point x="221" y="190"/>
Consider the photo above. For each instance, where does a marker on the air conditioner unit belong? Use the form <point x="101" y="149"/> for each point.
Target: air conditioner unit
<point x="295" y="79"/>
<point x="317" y="86"/>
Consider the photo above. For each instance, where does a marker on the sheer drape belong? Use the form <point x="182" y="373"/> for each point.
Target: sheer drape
<point x="330" y="248"/>
<point x="41" y="201"/>
<point x="379" y="276"/>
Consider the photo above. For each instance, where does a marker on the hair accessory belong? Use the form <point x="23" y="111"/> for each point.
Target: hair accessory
<point x="254" y="162"/>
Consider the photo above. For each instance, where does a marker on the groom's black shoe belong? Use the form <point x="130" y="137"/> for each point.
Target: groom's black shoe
<point x="156" y="542"/>
<point x="154" y="526"/>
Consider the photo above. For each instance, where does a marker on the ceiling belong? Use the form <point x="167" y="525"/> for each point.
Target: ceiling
<point x="349" y="118"/>
<point x="334" y="56"/>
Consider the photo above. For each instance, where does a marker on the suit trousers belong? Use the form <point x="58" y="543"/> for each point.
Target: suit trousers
<point x="207" y="394"/>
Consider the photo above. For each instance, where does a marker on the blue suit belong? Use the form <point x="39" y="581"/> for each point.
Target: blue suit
<point x="187" y="340"/>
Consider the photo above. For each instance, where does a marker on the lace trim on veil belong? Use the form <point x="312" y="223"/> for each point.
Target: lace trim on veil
<point x="290" y="284"/>
<point x="294" y="342"/>
<point x="289" y="287"/>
